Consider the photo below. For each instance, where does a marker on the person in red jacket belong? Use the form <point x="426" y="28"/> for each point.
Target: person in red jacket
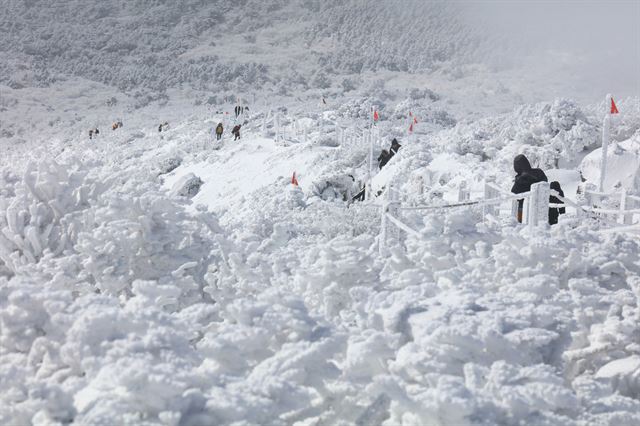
<point x="236" y="132"/>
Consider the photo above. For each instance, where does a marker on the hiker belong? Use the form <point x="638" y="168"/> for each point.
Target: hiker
<point x="96" y="132"/>
<point x="114" y="126"/>
<point x="383" y="158"/>
<point x="555" y="212"/>
<point x="160" y="128"/>
<point x="236" y="132"/>
<point x="525" y="177"/>
<point x="237" y="110"/>
<point x="91" y="134"/>
<point x="395" y="146"/>
<point x="219" y="131"/>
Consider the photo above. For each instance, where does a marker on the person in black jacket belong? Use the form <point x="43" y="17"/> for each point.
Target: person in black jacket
<point x="525" y="177"/>
<point x="395" y="146"/>
<point x="383" y="158"/>
<point x="555" y="212"/>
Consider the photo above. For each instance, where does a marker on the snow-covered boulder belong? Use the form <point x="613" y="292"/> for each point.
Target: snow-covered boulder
<point x="339" y="187"/>
<point x="168" y="165"/>
<point x="623" y="162"/>
<point x="187" y="186"/>
<point x="624" y="374"/>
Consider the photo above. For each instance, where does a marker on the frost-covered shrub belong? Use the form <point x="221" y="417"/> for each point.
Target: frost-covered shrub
<point x="423" y="113"/>
<point x="41" y="213"/>
<point x="168" y="164"/>
<point x="360" y="108"/>
<point x="348" y="85"/>
<point x="146" y="237"/>
<point x="545" y="132"/>
<point x="321" y="81"/>
<point x="418" y="94"/>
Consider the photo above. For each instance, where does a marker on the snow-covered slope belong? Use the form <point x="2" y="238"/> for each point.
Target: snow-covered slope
<point x="121" y="302"/>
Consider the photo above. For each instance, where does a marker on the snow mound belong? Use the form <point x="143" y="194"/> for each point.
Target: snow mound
<point x="623" y="166"/>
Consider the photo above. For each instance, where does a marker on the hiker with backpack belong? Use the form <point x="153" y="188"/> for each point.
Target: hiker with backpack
<point x="383" y="158"/>
<point x="395" y="146"/>
<point x="525" y="177"/>
<point x="236" y="131"/>
<point x="219" y="131"/>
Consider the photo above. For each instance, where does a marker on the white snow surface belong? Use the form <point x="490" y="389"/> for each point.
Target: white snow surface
<point x="126" y="299"/>
<point x="256" y="302"/>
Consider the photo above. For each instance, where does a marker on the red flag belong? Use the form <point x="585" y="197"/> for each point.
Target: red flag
<point x="294" y="181"/>
<point x="415" y="120"/>
<point x="410" y="114"/>
<point x="411" y="128"/>
<point x="375" y="116"/>
<point x="614" y="109"/>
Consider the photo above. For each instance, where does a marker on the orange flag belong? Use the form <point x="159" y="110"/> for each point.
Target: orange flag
<point x="376" y="117"/>
<point x="294" y="181"/>
<point x="614" y="109"/>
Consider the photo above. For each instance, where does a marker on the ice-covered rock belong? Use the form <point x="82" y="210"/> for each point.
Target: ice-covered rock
<point x="168" y="164"/>
<point x="187" y="186"/>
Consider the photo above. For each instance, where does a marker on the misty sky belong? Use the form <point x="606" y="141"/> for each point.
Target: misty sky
<point x="595" y="44"/>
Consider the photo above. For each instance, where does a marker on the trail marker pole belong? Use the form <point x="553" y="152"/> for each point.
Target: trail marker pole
<point x="382" y="238"/>
<point x="606" y="134"/>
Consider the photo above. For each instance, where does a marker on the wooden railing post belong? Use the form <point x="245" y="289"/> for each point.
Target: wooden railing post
<point x="538" y="205"/>
<point x="463" y="192"/>
<point x="382" y="238"/>
<point x="490" y="193"/>
<point x="626" y="203"/>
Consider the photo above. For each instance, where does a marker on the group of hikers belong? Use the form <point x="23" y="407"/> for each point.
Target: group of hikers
<point x="163" y="127"/>
<point x="235" y="131"/>
<point x="527" y="176"/>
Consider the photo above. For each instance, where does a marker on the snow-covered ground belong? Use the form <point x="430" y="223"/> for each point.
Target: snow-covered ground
<point x="165" y="278"/>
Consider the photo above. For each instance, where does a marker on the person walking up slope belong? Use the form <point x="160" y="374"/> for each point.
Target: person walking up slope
<point x="236" y="132"/>
<point x="219" y="131"/>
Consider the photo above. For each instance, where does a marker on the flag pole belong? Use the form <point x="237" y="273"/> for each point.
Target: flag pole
<point x="606" y="134"/>
<point x="368" y="193"/>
